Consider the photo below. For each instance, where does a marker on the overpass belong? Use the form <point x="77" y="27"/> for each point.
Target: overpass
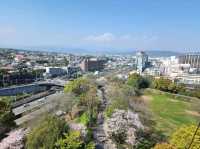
<point x="30" y="88"/>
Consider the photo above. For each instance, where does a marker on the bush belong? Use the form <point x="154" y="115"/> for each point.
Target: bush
<point x="117" y="103"/>
<point x="119" y="137"/>
<point x="84" y="119"/>
<point x="148" y="138"/>
<point x="89" y="136"/>
<point x="137" y="81"/>
<point x="144" y="144"/>
<point x="78" y="86"/>
<point x="90" y="145"/>
<point x="45" y="134"/>
<point x="130" y="91"/>
<point x="72" y="140"/>
<point x="162" y="84"/>
<point x="6" y="117"/>
<point x="183" y="137"/>
<point x="194" y="93"/>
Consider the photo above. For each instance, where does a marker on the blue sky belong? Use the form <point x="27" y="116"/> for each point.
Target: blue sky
<point x="101" y="24"/>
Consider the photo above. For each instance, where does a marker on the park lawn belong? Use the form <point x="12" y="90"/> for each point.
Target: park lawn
<point x="170" y="113"/>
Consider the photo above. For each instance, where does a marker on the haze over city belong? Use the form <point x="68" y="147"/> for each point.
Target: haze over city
<point x="99" y="74"/>
<point x="101" y="25"/>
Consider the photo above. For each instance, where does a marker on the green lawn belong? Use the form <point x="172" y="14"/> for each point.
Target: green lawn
<point x="170" y="113"/>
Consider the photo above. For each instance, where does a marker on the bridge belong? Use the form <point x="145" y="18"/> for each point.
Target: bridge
<point x="32" y="88"/>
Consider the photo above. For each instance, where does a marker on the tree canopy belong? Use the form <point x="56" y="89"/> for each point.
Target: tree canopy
<point x="78" y="86"/>
<point x="72" y="140"/>
<point x="162" y="84"/>
<point x="46" y="133"/>
<point x="137" y="81"/>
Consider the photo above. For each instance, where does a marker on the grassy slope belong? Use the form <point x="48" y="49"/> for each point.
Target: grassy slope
<point x="170" y="113"/>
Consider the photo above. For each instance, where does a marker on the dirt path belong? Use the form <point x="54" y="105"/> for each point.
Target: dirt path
<point x="193" y="113"/>
<point x="98" y="131"/>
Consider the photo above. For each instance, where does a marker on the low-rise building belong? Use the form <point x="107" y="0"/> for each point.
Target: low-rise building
<point x="55" y="71"/>
<point x="190" y="79"/>
<point x="153" y="71"/>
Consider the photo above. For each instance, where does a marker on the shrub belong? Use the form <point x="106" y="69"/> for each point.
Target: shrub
<point x="117" y="103"/>
<point x="84" y="119"/>
<point x="144" y="144"/>
<point x="45" y="134"/>
<point x="162" y="84"/>
<point x="78" y="86"/>
<point x="89" y="136"/>
<point x="6" y="117"/>
<point x="90" y="145"/>
<point x="147" y="139"/>
<point x="183" y="137"/>
<point x="137" y="81"/>
<point x="72" y="140"/>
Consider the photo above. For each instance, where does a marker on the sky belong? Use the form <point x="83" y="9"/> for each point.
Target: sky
<point x="101" y="24"/>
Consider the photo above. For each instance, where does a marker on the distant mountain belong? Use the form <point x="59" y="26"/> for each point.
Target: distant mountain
<point x="163" y="53"/>
<point x="153" y="53"/>
<point x="82" y="51"/>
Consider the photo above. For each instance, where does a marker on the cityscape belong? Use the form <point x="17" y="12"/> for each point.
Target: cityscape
<point x="109" y="90"/>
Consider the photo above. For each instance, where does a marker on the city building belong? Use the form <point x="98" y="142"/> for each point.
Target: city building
<point x="188" y="79"/>
<point x="141" y="61"/>
<point x="55" y="71"/>
<point x="170" y="67"/>
<point x="92" y="64"/>
<point x="73" y="72"/>
<point x="192" y="59"/>
<point x="152" y="71"/>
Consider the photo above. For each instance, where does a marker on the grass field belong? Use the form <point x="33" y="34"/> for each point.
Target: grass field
<point x="170" y="113"/>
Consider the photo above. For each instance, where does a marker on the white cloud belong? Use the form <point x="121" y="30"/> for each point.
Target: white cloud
<point x="106" y="37"/>
<point x="122" y="41"/>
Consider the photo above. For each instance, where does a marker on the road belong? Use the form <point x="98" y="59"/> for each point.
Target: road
<point x="57" y="81"/>
<point x="36" y="103"/>
<point x="50" y="103"/>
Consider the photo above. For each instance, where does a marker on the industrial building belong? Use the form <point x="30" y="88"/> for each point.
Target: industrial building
<point x="192" y="59"/>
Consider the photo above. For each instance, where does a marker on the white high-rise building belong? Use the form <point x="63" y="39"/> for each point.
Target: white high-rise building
<point x="141" y="61"/>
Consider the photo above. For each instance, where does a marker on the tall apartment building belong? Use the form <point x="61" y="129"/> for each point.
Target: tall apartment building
<point x="92" y="64"/>
<point x="141" y="61"/>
